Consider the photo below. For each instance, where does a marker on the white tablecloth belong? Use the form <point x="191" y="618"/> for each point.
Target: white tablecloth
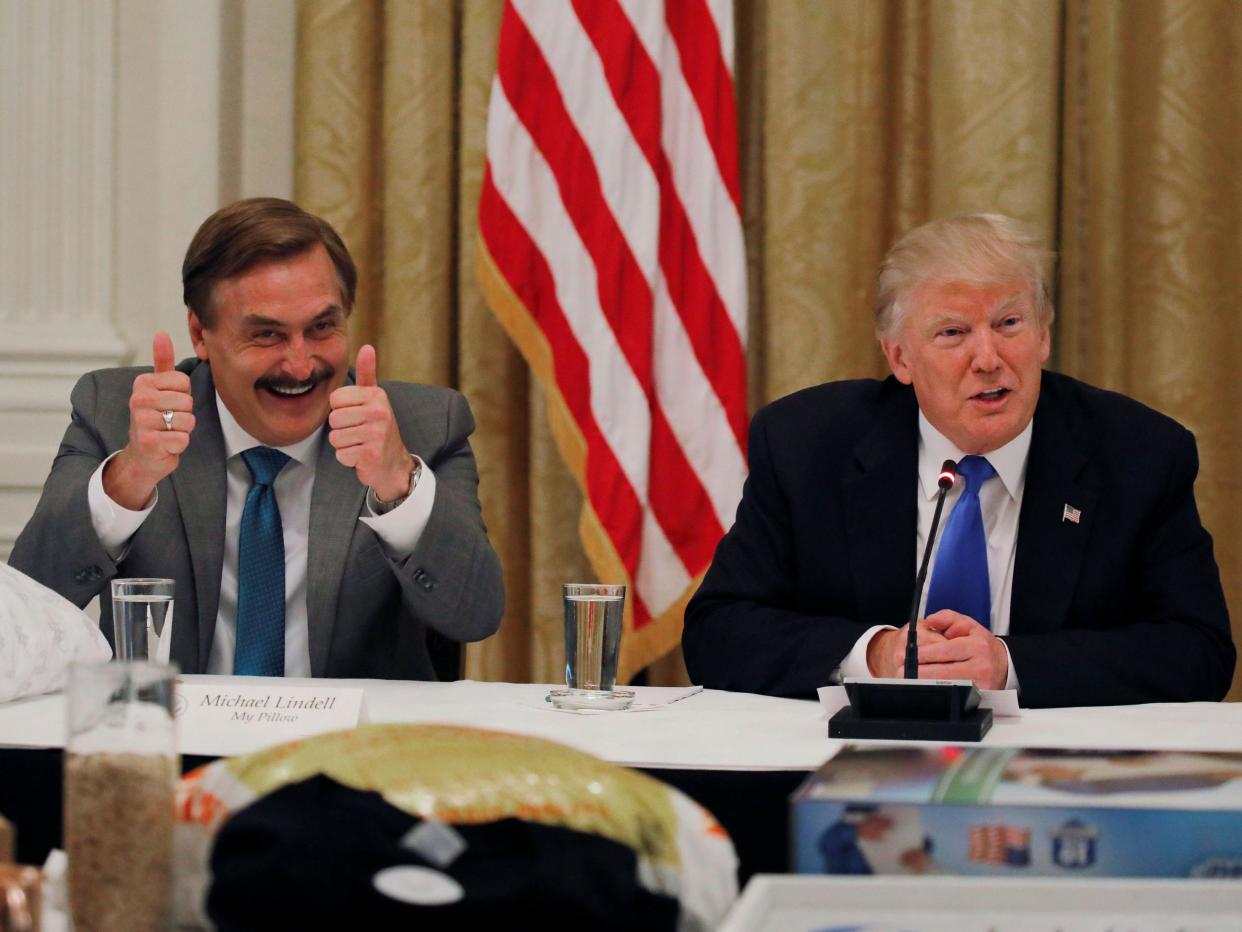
<point x="712" y="730"/>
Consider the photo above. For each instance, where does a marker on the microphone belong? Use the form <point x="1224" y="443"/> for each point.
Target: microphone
<point x="948" y="474"/>
<point x="907" y="708"/>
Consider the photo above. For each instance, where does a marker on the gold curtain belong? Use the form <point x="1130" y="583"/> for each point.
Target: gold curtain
<point x="1111" y="126"/>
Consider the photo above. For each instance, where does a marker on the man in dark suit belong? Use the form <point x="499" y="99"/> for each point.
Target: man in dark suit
<point x="315" y="521"/>
<point x="1084" y="576"/>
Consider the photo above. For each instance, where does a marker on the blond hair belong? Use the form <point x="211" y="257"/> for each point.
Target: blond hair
<point x="972" y="249"/>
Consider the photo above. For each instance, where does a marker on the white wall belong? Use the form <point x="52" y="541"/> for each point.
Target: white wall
<point x="123" y="124"/>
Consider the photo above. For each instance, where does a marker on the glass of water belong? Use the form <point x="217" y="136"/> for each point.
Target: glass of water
<point x="142" y="616"/>
<point x="593" y="623"/>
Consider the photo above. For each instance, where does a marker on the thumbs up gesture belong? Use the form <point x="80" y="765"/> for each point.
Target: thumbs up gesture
<point x="364" y="432"/>
<point x="160" y="420"/>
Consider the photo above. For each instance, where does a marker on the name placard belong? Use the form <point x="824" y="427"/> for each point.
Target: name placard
<point x="232" y="719"/>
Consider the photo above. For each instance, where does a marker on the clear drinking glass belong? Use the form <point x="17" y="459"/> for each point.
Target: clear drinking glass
<point x="142" y="614"/>
<point x="121" y="769"/>
<point x="593" y="616"/>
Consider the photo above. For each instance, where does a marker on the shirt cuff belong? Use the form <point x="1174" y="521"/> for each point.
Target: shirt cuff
<point x="855" y="662"/>
<point x="399" y="530"/>
<point x="1011" y="678"/>
<point x="114" y="524"/>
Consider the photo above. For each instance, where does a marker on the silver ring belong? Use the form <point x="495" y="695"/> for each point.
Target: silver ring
<point x="167" y="416"/>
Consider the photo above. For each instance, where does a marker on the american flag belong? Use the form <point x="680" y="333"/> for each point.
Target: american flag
<point x="611" y="251"/>
<point x="1071" y="514"/>
<point x="999" y="844"/>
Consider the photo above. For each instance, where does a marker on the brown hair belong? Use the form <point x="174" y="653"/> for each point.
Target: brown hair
<point x="248" y="232"/>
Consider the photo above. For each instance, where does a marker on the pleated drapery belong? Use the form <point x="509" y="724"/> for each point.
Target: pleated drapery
<point x="1111" y="126"/>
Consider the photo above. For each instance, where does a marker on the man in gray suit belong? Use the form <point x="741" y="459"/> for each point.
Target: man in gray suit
<point x="316" y="522"/>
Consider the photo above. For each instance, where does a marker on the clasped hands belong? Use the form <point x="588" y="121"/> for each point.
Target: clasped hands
<point x="952" y="646"/>
<point x="363" y="431"/>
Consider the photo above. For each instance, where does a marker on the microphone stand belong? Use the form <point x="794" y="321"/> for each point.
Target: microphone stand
<point x="948" y="474"/>
<point x="910" y="709"/>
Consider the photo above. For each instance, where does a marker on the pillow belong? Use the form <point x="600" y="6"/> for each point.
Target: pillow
<point x="375" y="866"/>
<point x="41" y="633"/>
<point x="472" y="777"/>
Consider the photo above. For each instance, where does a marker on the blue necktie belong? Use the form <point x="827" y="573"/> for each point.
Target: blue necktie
<point x="960" y="579"/>
<point x="261" y="572"/>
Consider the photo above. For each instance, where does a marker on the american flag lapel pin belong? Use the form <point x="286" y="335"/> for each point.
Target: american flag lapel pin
<point x="1071" y="514"/>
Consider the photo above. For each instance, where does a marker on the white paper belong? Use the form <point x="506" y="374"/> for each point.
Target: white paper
<point x="663" y="695"/>
<point x="246" y="718"/>
<point x="1002" y="702"/>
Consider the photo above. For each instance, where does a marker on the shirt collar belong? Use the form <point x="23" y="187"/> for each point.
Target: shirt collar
<point x="1009" y="461"/>
<point x="237" y="441"/>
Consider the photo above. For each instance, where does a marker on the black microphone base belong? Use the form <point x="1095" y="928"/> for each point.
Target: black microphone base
<point x="972" y="726"/>
<point x="911" y="710"/>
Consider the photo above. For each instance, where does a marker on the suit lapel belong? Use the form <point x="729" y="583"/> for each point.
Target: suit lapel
<point x="200" y="486"/>
<point x="881" y="525"/>
<point x="1050" y="546"/>
<point x="336" y="502"/>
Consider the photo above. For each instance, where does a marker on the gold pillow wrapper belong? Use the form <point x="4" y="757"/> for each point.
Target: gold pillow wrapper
<point x="463" y="775"/>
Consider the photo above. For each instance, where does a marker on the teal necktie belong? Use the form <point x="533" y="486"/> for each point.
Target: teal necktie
<point x="960" y="580"/>
<point x="261" y="571"/>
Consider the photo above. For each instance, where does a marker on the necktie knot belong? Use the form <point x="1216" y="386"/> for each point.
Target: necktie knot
<point x="976" y="470"/>
<point x="264" y="463"/>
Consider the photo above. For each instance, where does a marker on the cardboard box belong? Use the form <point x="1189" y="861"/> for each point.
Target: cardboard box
<point x="1011" y="812"/>
<point x="788" y="903"/>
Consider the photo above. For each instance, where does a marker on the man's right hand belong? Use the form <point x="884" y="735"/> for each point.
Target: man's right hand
<point x="886" y="652"/>
<point x="154" y="449"/>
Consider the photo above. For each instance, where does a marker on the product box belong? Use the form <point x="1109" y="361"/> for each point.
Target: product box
<point x="1012" y="812"/>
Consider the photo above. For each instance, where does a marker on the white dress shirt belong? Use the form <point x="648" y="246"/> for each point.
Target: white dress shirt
<point x="398" y="529"/>
<point x="1000" y="500"/>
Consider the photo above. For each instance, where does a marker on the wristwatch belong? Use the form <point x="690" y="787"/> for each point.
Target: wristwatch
<point x="381" y="507"/>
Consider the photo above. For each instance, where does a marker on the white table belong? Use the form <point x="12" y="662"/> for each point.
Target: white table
<point x="738" y="754"/>
<point x="712" y="730"/>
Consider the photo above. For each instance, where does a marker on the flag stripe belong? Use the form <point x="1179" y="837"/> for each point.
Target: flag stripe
<point x="690" y="24"/>
<point x="615" y="396"/>
<point x="710" y="211"/>
<point x="695" y="411"/>
<point x="716" y="344"/>
<point x="683" y="392"/>
<point x="611" y="250"/>
<point x="536" y="103"/>
<point x="722" y="16"/>
<point x="523" y="266"/>
<point x="693" y="293"/>
<point x="624" y="296"/>
<point x="627" y="180"/>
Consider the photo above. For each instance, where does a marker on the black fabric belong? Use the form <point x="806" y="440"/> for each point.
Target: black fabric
<point x="1123" y="606"/>
<point x="303" y="857"/>
<point x="752" y="806"/>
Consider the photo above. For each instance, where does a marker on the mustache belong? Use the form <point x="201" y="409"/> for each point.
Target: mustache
<point x="322" y="374"/>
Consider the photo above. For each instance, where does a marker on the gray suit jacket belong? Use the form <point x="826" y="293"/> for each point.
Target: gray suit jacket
<point x="368" y="614"/>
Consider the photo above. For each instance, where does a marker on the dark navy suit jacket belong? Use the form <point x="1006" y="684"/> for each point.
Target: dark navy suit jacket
<point x="1124" y="606"/>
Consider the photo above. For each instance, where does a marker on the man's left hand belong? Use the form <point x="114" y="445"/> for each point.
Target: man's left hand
<point x="969" y="652"/>
<point x="365" y="435"/>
